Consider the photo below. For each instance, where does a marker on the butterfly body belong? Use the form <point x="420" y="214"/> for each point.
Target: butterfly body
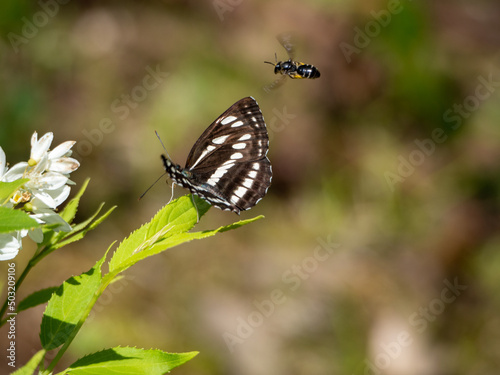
<point x="228" y="165"/>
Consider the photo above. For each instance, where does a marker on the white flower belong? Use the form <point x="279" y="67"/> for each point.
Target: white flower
<point x="50" y="170"/>
<point x="46" y="171"/>
<point x="57" y="160"/>
<point x="48" y="174"/>
<point x="10" y="243"/>
<point x="48" y="180"/>
<point x="44" y="214"/>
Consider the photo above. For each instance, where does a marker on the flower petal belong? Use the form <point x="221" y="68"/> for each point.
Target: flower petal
<point x="40" y="167"/>
<point x="34" y="139"/>
<point x="61" y="150"/>
<point x="36" y="235"/>
<point x="9" y="245"/>
<point x="63" y="165"/>
<point x="3" y="162"/>
<point x="51" y="181"/>
<point x="16" y="172"/>
<point x="50" y="217"/>
<point x="46" y="198"/>
<point x="61" y="194"/>
<point x="40" y="147"/>
<point x="49" y="198"/>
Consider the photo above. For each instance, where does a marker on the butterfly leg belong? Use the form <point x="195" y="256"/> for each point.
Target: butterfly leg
<point x="172" y="195"/>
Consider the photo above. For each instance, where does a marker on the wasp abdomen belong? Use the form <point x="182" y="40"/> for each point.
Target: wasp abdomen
<point x="308" y="71"/>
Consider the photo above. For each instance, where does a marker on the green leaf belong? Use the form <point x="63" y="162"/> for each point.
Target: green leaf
<point x="67" y="307"/>
<point x="12" y="220"/>
<point x="167" y="229"/>
<point x="30" y="367"/>
<point x="87" y="222"/>
<point x="181" y="238"/>
<point x="129" y="361"/>
<point x="69" y="212"/>
<point x="177" y="217"/>
<point x="37" y="298"/>
<point x="181" y="214"/>
<point x="81" y="229"/>
<point x="9" y="188"/>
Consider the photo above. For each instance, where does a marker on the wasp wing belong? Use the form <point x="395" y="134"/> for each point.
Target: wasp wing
<point x="286" y="40"/>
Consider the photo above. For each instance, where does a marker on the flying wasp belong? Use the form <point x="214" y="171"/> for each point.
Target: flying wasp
<point x="290" y="68"/>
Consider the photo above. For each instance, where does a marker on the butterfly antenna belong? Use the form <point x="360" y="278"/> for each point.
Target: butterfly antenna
<point x="173" y="183"/>
<point x="153" y="184"/>
<point x="162" y="145"/>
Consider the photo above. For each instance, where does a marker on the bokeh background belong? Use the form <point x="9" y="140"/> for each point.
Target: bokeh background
<point x="380" y="234"/>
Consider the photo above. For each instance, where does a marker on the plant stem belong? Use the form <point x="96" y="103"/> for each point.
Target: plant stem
<point x="19" y="281"/>
<point x="39" y="255"/>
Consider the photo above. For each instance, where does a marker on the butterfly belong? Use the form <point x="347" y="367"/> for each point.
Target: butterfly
<point x="228" y="165"/>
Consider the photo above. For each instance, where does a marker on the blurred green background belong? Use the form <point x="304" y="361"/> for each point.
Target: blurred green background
<point x="381" y="231"/>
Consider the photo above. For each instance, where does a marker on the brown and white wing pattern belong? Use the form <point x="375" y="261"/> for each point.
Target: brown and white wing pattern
<point x="228" y="165"/>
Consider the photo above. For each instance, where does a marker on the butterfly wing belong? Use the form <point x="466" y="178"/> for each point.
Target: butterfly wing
<point x="228" y="163"/>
